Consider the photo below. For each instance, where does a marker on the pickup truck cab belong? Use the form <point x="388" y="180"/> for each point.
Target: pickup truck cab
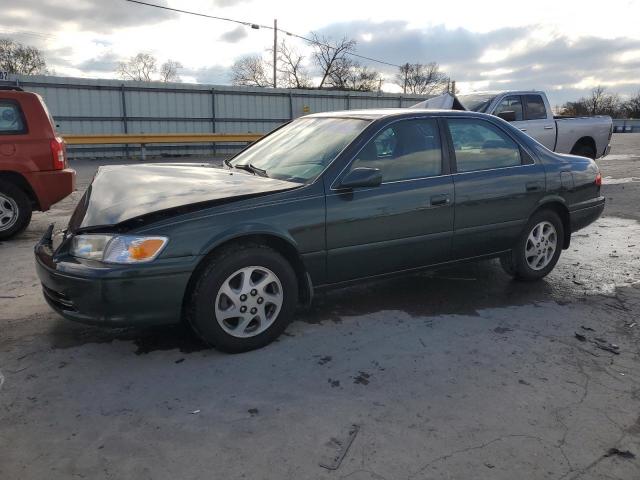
<point x="33" y="164"/>
<point x="529" y="110"/>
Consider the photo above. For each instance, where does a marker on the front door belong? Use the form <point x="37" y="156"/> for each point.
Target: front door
<point x="404" y="223"/>
<point x="497" y="186"/>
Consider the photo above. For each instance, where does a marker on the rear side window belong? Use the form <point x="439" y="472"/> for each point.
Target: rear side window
<point x="11" y="118"/>
<point x="478" y="145"/>
<point x="535" y="107"/>
<point x="406" y="150"/>
<point x="511" y="104"/>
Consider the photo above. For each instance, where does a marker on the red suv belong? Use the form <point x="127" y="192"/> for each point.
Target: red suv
<point x="33" y="164"/>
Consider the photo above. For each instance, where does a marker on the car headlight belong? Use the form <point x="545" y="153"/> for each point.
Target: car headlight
<point x="117" y="248"/>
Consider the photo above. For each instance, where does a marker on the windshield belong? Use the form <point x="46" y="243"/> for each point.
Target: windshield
<point x="300" y="151"/>
<point x="476" y="102"/>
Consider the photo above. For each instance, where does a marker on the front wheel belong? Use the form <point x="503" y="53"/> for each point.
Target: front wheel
<point x="538" y="248"/>
<point x="243" y="299"/>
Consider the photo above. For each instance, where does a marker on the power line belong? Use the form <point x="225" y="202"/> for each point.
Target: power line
<point x="258" y="26"/>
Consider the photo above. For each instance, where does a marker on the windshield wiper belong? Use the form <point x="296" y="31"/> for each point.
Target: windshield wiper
<point x="250" y="168"/>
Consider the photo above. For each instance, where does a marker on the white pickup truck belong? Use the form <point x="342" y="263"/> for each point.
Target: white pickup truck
<point x="530" y="112"/>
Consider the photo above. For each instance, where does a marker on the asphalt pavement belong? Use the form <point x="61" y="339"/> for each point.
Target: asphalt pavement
<point x="458" y="373"/>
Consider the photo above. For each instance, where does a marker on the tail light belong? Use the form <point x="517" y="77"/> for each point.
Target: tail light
<point x="58" y="153"/>
<point x="598" y="179"/>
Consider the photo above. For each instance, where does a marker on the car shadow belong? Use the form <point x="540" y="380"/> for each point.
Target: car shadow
<point x="461" y="289"/>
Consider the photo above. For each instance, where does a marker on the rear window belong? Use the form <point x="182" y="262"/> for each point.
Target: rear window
<point x="46" y="110"/>
<point x="11" y="118"/>
<point x="478" y="145"/>
<point x="535" y="107"/>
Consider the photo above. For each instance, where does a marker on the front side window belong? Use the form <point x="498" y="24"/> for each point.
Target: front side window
<point x="511" y="104"/>
<point x="406" y="150"/>
<point x="301" y="150"/>
<point x="535" y="107"/>
<point x="478" y="145"/>
<point x="11" y="120"/>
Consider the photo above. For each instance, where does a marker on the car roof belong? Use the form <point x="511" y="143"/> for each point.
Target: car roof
<point x="378" y="113"/>
<point x="14" y="93"/>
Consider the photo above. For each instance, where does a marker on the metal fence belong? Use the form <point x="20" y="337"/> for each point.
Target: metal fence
<point x="88" y="106"/>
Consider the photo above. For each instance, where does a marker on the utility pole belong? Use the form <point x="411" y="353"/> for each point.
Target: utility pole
<point x="275" y="51"/>
<point x="406" y="73"/>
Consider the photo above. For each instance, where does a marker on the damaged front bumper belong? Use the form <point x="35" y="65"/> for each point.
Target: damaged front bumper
<point x="115" y="295"/>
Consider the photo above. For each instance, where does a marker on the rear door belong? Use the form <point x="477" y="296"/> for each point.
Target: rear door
<point x="539" y="123"/>
<point x="13" y="128"/>
<point x="407" y="221"/>
<point x="497" y="185"/>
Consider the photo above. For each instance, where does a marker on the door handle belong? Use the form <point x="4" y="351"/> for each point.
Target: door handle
<point x="548" y="127"/>
<point x="438" y="200"/>
<point x="533" y="186"/>
<point x="523" y="129"/>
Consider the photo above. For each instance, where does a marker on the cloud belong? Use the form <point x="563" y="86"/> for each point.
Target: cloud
<point x="105" y="62"/>
<point x="212" y="75"/>
<point x="235" y="35"/>
<point x="88" y="15"/>
<point x="395" y="42"/>
<point x="505" y="58"/>
<point x="229" y="3"/>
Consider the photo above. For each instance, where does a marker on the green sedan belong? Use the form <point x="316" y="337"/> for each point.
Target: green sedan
<point x="325" y="200"/>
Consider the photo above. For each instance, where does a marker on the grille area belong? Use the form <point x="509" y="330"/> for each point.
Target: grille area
<point x="57" y="299"/>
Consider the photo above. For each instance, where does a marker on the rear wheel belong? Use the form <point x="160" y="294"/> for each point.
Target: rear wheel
<point x="243" y="299"/>
<point x="538" y="248"/>
<point x="584" y="151"/>
<point x="15" y="210"/>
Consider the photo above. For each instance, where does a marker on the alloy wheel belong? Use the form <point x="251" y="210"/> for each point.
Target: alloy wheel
<point x="248" y="301"/>
<point x="8" y="212"/>
<point x="541" y="245"/>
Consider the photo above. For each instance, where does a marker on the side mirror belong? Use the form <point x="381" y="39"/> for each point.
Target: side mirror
<point x="362" y="177"/>
<point x="508" y="115"/>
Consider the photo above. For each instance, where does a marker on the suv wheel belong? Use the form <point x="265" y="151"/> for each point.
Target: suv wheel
<point x="538" y="248"/>
<point x="15" y="210"/>
<point x="243" y="299"/>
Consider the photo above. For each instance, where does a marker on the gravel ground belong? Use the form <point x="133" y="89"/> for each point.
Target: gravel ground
<point x="453" y="374"/>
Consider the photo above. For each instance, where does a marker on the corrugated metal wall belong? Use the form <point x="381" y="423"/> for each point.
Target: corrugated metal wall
<point x="89" y="106"/>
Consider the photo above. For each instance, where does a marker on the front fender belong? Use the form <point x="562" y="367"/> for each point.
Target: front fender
<point x="247" y="230"/>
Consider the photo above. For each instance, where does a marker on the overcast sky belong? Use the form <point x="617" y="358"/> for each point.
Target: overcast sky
<point x="564" y="47"/>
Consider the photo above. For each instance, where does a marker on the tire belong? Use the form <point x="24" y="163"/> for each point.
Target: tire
<point x="15" y="210"/>
<point x="584" y="151"/>
<point x="221" y="291"/>
<point x="529" y="260"/>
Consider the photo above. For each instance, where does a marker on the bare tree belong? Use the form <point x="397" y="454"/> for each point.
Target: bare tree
<point x="291" y="69"/>
<point x="140" y="67"/>
<point x="421" y="78"/>
<point x="364" y="79"/>
<point x="341" y="74"/>
<point x="169" y="71"/>
<point x="631" y="108"/>
<point x="331" y="57"/>
<point x="250" y="70"/>
<point x="21" y="59"/>
<point x="598" y="103"/>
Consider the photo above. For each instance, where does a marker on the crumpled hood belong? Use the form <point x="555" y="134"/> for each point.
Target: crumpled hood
<point x="122" y="192"/>
<point x="446" y="101"/>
